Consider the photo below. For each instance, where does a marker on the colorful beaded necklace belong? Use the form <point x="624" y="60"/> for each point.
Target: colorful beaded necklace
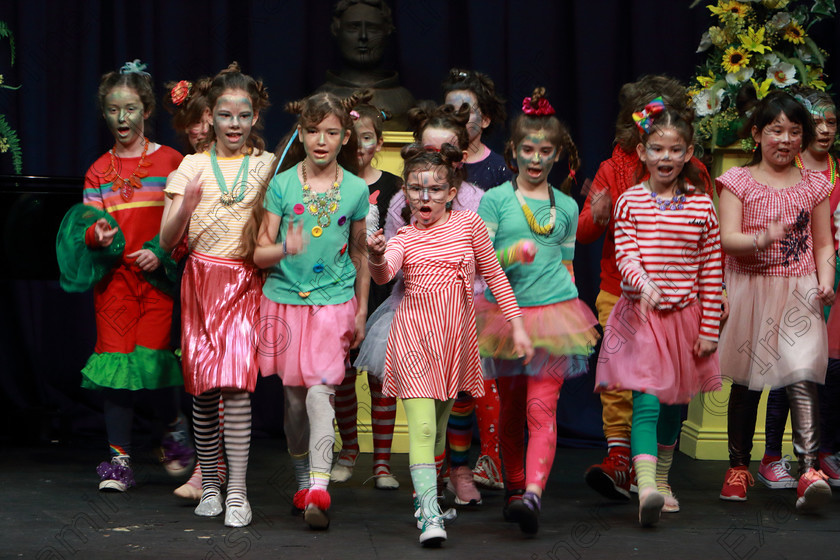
<point x="321" y="205"/>
<point x="228" y="198"/>
<point x="832" y="167"/>
<point x="529" y="216"/>
<point x="127" y="186"/>
<point x="676" y="202"/>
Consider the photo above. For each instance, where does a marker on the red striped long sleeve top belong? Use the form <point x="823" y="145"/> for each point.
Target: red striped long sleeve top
<point x="678" y="250"/>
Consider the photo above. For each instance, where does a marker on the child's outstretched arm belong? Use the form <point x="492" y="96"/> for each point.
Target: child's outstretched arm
<point x="358" y="254"/>
<point x="710" y="286"/>
<point x="824" y="256"/>
<point x="488" y="266"/>
<point x="177" y="212"/>
<point x="628" y="258"/>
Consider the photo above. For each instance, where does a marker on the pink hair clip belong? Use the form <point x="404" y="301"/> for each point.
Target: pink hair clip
<point x="543" y="107"/>
<point x="354" y="114"/>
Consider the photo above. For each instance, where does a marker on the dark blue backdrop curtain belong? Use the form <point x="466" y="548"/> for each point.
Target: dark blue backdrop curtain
<point x="580" y="50"/>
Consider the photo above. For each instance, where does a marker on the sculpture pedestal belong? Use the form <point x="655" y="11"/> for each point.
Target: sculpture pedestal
<point x="704" y="431"/>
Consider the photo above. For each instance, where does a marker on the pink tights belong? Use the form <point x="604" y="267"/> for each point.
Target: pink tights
<point x="532" y="401"/>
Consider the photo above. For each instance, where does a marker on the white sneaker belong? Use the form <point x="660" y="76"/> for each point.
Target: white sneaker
<point x="433" y="534"/>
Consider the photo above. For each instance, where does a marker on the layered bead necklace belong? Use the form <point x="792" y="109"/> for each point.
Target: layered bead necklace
<point x="832" y="167"/>
<point x="321" y="206"/>
<point x="228" y="198"/>
<point x="529" y="215"/>
<point x="676" y="202"/>
<point x="127" y="186"/>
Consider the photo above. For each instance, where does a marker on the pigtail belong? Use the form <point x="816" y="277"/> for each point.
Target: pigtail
<point x="574" y="162"/>
<point x="419" y="116"/>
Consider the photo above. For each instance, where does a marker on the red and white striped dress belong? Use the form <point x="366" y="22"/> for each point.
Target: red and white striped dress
<point x="432" y="347"/>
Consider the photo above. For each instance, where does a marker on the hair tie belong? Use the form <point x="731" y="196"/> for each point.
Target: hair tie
<point x="572" y="173"/>
<point x="384" y="115"/>
<point x="134" y="67"/>
<point x="805" y="103"/>
<point x="180" y="92"/>
<point x="543" y="107"/>
<point x="644" y="118"/>
<point x="354" y="114"/>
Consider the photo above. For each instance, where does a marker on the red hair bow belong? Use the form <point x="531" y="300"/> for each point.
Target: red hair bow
<point x="543" y="108"/>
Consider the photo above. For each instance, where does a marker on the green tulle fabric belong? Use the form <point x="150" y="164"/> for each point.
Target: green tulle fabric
<point x="82" y="266"/>
<point x="142" y="369"/>
<point x="164" y="277"/>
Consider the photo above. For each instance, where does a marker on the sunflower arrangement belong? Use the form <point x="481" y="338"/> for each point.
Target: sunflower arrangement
<point x="764" y="43"/>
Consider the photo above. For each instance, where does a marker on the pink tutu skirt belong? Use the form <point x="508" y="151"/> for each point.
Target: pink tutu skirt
<point x="305" y="345"/>
<point x="655" y="355"/>
<point x="562" y="329"/>
<point x="776" y="332"/>
<point x="219" y="310"/>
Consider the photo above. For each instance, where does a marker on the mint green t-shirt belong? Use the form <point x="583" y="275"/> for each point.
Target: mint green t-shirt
<point x="324" y="273"/>
<point x="546" y="280"/>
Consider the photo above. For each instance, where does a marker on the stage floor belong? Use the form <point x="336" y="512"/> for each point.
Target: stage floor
<point x="51" y="509"/>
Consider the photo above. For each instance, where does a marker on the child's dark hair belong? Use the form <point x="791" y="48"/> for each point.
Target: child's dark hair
<point x="635" y="95"/>
<point x="768" y="109"/>
<point x="556" y="133"/>
<point x="366" y="110"/>
<point x="670" y="118"/>
<point x="482" y="86"/>
<point x="417" y="156"/>
<point x="233" y="78"/>
<point x="187" y="102"/>
<point x="311" y="110"/>
<point x="444" y="117"/>
<point x="141" y="82"/>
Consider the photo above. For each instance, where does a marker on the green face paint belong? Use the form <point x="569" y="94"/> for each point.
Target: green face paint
<point x="124" y="115"/>
<point x="535" y="156"/>
<point x="233" y="118"/>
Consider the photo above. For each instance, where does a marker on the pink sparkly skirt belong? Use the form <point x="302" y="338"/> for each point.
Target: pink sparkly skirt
<point x="220" y="310"/>
<point x="305" y="345"/>
<point x="655" y="355"/>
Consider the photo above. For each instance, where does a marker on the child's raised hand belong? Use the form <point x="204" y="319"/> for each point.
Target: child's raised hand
<point x="295" y="243"/>
<point x="704" y="348"/>
<point x="775" y="231"/>
<point x="192" y="194"/>
<point x="601" y="204"/>
<point x="651" y="296"/>
<point x="104" y="233"/>
<point x="145" y="259"/>
<point x="376" y="244"/>
<point x="825" y="294"/>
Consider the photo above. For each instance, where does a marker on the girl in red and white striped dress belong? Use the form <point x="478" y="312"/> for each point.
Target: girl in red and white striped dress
<point x="432" y="347"/>
<point x="661" y="337"/>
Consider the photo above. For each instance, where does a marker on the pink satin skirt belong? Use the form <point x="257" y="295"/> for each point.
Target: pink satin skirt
<point x="220" y="303"/>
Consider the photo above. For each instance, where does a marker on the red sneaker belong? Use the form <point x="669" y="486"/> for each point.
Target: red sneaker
<point x="813" y="491"/>
<point x="611" y="478"/>
<point x="735" y="484"/>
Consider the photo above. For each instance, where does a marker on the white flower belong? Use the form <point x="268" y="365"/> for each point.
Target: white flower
<point x="705" y="104"/>
<point x="705" y="42"/>
<point x="771" y="59"/>
<point x="739" y="77"/>
<point x="803" y="54"/>
<point x="780" y="20"/>
<point x="782" y="74"/>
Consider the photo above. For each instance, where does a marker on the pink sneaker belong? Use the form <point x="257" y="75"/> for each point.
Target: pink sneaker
<point x="813" y="491"/>
<point x="462" y="485"/>
<point x="830" y="466"/>
<point x="776" y="474"/>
